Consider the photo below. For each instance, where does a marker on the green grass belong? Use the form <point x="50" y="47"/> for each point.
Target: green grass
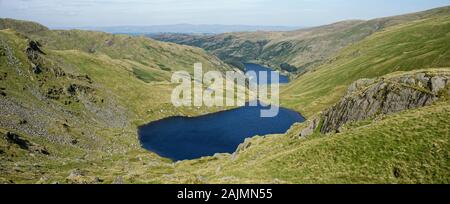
<point x="397" y="149"/>
<point x="101" y="142"/>
<point x="415" y="45"/>
<point x="131" y="76"/>
<point x="144" y="75"/>
<point x="304" y="48"/>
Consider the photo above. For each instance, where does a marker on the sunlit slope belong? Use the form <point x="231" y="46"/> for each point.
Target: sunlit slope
<point x="73" y="83"/>
<point x="63" y="110"/>
<point x="296" y="51"/>
<point x="308" y="46"/>
<point x="75" y="121"/>
<point x="153" y="55"/>
<point x="415" y="45"/>
<point x="409" y="147"/>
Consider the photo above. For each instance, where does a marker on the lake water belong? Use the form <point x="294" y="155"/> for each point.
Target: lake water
<point x="183" y="138"/>
<point x="259" y="68"/>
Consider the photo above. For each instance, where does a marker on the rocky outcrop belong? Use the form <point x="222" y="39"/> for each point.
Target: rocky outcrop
<point x="368" y="98"/>
<point x="312" y="125"/>
<point x="39" y="63"/>
<point x="33" y="52"/>
<point x="54" y="93"/>
<point x="15" y="139"/>
<point x="74" y="89"/>
<point x="35" y="46"/>
<point x="242" y="147"/>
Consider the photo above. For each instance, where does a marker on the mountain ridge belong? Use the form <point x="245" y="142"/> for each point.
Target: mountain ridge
<point x="65" y="107"/>
<point x="68" y="115"/>
<point x="184" y="28"/>
<point x="294" y="51"/>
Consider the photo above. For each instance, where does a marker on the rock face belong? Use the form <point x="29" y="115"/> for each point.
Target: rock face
<point x="368" y="98"/>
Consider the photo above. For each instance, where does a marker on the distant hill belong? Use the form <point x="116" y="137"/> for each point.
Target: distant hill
<point x="185" y="29"/>
<point x="295" y="51"/>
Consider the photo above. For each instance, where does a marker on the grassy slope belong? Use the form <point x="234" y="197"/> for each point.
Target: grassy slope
<point x="150" y="53"/>
<point x="272" y="48"/>
<point x="397" y="149"/>
<point x="415" y="45"/>
<point x="147" y="55"/>
<point x="103" y="142"/>
<point x="409" y="147"/>
<point x="305" y="48"/>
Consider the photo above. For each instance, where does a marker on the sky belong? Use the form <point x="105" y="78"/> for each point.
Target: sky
<point x="79" y="13"/>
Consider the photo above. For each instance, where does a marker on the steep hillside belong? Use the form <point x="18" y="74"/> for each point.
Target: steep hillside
<point x="410" y="147"/>
<point x="295" y="51"/>
<point x="400" y="142"/>
<point x="71" y="102"/>
<point x="66" y="111"/>
<point x="407" y="146"/>
<point x="150" y="55"/>
<point x="272" y="48"/>
<point x="414" y="45"/>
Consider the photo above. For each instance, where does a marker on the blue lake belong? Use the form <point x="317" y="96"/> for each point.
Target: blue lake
<point x="259" y="68"/>
<point x="183" y="138"/>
